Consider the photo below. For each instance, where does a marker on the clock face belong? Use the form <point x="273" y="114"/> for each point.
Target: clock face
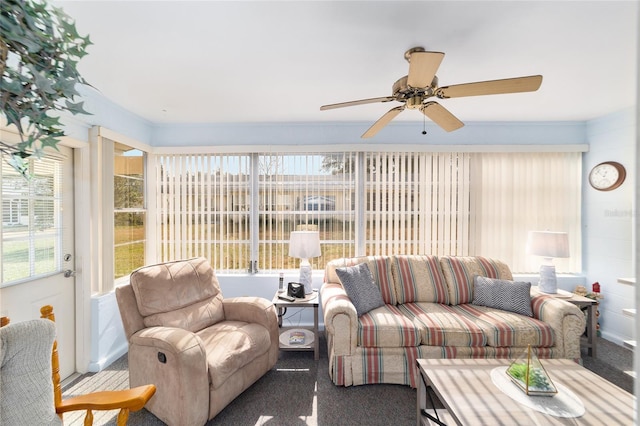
<point x="607" y="176"/>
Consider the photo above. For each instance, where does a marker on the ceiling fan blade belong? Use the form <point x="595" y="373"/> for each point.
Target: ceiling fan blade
<point x="360" y="102"/>
<point x="441" y="116"/>
<point x="423" y="67"/>
<point x="382" y="121"/>
<point x="492" y="87"/>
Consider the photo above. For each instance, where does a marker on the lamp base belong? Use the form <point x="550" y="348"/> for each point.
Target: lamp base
<point x="548" y="280"/>
<point x="305" y="276"/>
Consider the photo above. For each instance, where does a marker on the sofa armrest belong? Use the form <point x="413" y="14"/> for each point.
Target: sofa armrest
<point x="175" y="361"/>
<point x="340" y="319"/>
<point x="566" y="319"/>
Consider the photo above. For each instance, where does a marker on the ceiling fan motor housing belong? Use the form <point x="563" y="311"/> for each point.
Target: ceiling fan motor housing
<point x="402" y="91"/>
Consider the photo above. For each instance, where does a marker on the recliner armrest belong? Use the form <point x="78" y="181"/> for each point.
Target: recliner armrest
<point x="175" y="360"/>
<point x="171" y="339"/>
<point x="257" y="310"/>
<point x="251" y="309"/>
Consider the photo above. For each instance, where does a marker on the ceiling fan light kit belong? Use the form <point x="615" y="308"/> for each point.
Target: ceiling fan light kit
<point x="421" y="83"/>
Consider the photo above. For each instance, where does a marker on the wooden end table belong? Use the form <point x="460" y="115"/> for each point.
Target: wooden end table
<point x="465" y="388"/>
<point x="310" y="301"/>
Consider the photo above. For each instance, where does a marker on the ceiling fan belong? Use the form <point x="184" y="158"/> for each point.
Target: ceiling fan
<point x="415" y="88"/>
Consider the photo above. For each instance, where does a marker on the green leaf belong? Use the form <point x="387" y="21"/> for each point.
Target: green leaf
<point x="76" y="108"/>
<point x="41" y="75"/>
<point x="49" y="141"/>
<point x="66" y="86"/>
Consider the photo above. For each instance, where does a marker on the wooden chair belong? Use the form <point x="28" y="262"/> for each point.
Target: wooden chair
<point x="125" y="400"/>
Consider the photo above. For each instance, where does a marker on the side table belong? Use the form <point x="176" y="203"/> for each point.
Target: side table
<point x="310" y="301"/>
<point x="590" y="306"/>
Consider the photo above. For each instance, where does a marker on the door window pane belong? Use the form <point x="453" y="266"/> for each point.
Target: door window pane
<point x="31" y="218"/>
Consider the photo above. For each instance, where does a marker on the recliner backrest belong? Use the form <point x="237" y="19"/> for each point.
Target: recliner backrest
<point x="183" y="294"/>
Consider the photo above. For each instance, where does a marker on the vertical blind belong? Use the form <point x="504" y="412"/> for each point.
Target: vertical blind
<point x="203" y="204"/>
<point x="417" y="203"/>
<point x="519" y="192"/>
<point x="311" y="191"/>
<point x="238" y="209"/>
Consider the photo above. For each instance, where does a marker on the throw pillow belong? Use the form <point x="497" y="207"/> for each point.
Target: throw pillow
<point x="512" y="296"/>
<point x="358" y="283"/>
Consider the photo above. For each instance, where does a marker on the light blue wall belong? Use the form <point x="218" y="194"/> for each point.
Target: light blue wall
<point x="107" y="114"/>
<point x="609" y="222"/>
<point x="608" y="217"/>
<point x="332" y="133"/>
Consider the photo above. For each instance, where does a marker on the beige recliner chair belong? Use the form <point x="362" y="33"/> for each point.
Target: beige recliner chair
<point x="199" y="349"/>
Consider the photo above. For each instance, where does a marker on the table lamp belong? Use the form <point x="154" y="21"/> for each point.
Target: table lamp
<point x="304" y="245"/>
<point x="548" y="245"/>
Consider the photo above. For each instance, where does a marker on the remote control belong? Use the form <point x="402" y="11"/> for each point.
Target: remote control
<point x="286" y="297"/>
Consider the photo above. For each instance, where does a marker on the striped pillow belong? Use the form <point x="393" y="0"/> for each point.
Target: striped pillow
<point x="459" y="271"/>
<point x="419" y="279"/>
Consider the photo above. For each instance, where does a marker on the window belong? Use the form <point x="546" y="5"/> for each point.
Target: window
<point x="417" y="203"/>
<point x="239" y="209"/>
<point x="203" y="205"/>
<point x="514" y="193"/>
<point x="31" y="220"/>
<point x="312" y="191"/>
<point x="129" y="210"/>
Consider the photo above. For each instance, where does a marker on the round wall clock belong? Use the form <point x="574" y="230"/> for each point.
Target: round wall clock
<point x="607" y="176"/>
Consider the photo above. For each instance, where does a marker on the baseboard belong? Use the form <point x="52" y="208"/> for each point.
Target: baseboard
<point x="615" y="338"/>
<point x="97" y="366"/>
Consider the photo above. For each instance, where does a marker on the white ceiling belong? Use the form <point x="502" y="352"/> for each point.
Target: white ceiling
<point x="267" y="61"/>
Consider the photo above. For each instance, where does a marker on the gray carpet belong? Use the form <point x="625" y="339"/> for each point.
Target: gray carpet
<point x="297" y="391"/>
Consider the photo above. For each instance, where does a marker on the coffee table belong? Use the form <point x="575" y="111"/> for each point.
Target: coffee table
<point x="466" y="390"/>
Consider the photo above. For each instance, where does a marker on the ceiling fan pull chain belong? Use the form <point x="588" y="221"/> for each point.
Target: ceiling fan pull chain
<point x="424" y="124"/>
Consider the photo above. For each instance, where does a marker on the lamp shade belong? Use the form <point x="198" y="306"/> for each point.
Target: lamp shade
<point x="548" y="244"/>
<point x="304" y="244"/>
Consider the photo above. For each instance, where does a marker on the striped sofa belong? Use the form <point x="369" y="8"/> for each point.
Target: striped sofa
<point x="428" y="314"/>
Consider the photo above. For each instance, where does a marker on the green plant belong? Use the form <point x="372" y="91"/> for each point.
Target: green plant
<point x="39" y="52"/>
<point x="537" y="378"/>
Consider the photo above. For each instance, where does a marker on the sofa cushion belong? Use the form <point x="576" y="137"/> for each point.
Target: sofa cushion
<point x="358" y="283"/>
<point x="230" y="346"/>
<point x="183" y="294"/>
<point x="512" y="296"/>
<point x="505" y="329"/>
<point x="441" y="325"/>
<point x="380" y="268"/>
<point x="419" y="279"/>
<point x="386" y="326"/>
<point x="459" y="272"/>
